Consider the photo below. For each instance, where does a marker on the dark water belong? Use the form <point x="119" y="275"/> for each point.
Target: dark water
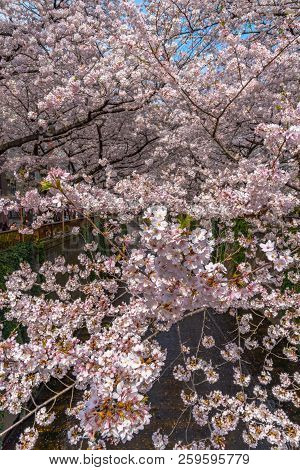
<point x="166" y="404"/>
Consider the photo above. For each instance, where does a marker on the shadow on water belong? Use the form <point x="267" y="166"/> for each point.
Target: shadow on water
<point x="166" y="404"/>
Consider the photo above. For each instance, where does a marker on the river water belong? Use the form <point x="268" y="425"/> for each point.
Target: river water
<point x="166" y="404"/>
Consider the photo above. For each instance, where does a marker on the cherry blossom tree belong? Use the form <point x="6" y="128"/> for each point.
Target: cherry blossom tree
<point x="185" y="120"/>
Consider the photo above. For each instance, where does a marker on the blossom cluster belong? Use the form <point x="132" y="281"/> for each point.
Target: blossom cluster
<point x="173" y="130"/>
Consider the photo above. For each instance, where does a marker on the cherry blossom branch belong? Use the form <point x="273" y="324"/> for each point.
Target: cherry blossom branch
<point x="58" y="394"/>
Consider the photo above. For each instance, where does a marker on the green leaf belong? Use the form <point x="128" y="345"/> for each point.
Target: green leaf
<point x="185" y="221"/>
<point x="46" y="185"/>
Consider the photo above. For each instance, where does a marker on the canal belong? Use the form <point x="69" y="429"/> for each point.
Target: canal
<point x="166" y="404"/>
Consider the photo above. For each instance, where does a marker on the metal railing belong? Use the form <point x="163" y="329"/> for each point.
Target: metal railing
<point x="45" y="232"/>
